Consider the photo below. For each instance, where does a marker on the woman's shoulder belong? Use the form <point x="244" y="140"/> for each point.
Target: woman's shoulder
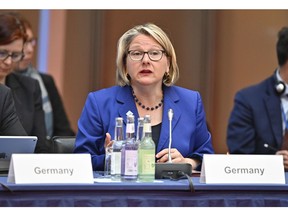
<point x="109" y="91"/>
<point x="21" y="79"/>
<point x="180" y="91"/>
<point x="46" y="77"/>
<point x="4" y="88"/>
<point x="106" y="96"/>
<point x="18" y="81"/>
<point x="4" y="92"/>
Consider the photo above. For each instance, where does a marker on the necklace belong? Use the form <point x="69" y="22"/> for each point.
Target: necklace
<point x="145" y="107"/>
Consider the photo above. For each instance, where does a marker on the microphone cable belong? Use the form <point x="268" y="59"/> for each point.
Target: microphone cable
<point x="182" y="175"/>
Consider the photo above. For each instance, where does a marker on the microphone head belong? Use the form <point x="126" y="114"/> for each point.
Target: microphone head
<point x="170" y="114"/>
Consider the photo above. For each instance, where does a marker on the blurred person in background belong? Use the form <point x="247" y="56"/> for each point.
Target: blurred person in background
<point x="25" y="90"/>
<point x="56" y="120"/>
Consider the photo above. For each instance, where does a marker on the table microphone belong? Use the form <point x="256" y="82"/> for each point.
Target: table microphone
<point x="171" y="170"/>
<point x="170" y="117"/>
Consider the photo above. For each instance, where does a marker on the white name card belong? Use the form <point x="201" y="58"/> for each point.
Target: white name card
<point x="50" y="168"/>
<point x="242" y="169"/>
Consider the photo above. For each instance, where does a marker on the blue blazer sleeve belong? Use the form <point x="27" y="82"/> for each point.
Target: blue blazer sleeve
<point x="189" y="128"/>
<point x="98" y="118"/>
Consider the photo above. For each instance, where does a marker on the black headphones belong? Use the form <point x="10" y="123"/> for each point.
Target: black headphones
<point x="280" y="88"/>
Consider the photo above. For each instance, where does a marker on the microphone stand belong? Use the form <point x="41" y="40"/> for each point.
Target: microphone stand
<point x="172" y="170"/>
<point x="170" y="117"/>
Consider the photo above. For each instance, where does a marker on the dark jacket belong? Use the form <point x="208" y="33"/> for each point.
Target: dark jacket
<point x="61" y="126"/>
<point x="9" y="122"/>
<point x="256" y="119"/>
<point x="28" y="102"/>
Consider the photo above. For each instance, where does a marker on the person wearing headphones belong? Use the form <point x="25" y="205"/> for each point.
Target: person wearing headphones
<point x="259" y="118"/>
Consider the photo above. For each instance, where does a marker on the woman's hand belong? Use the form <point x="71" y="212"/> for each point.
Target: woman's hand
<point x="108" y="141"/>
<point x="176" y="157"/>
<point x="163" y="156"/>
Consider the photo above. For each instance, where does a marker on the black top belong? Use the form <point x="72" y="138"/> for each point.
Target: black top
<point x="156" y="129"/>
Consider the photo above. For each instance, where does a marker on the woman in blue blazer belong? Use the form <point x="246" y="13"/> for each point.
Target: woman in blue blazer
<point x="146" y="73"/>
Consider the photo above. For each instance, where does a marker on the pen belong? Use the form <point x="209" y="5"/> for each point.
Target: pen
<point x="270" y="147"/>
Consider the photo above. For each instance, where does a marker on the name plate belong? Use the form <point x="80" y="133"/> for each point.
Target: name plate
<point x="242" y="169"/>
<point x="50" y="168"/>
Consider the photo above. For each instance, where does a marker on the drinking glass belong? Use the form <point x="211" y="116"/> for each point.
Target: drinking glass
<point x="107" y="166"/>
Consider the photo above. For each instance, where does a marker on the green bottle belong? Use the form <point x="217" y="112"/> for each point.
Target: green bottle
<point x="146" y="153"/>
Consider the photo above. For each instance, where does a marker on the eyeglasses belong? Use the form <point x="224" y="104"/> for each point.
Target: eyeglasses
<point x="15" y="56"/>
<point x="32" y="41"/>
<point x="154" y="55"/>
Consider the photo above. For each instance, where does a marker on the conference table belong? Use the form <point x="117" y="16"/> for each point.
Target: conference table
<point x="160" y="193"/>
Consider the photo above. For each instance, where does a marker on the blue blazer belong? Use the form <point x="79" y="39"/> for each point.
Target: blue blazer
<point x="256" y="119"/>
<point x="189" y="130"/>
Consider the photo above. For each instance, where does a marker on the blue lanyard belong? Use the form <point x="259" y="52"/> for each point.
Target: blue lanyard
<point x="284" y="117"/>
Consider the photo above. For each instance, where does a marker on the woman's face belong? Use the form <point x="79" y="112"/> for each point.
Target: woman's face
<point x="7" y="65"/>
<point x="28" y="51"/>
<point x="146" y="72"/>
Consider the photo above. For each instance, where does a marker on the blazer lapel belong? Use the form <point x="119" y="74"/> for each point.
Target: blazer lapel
<point x="12" y="81"/>
<point x="169" y="103"/>
<point x="126" y="103"/>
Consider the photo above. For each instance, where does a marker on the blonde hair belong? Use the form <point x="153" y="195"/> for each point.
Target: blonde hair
<point x="160" y="36"/>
